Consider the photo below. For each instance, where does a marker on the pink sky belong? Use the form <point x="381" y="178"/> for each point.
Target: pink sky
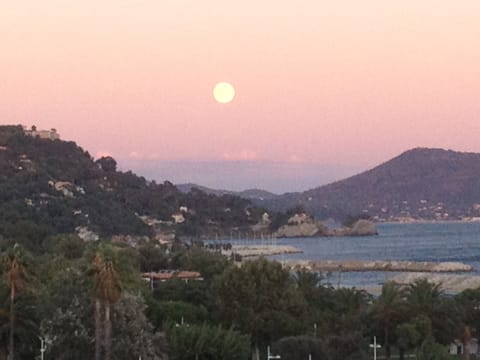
<point x="323" y="82"/>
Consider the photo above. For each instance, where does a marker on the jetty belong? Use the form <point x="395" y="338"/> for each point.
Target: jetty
<point x="379" y="265"/>
<point x="261" y="250"/>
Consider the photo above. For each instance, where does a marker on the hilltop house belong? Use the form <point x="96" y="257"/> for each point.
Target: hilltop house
<point x="42" y="134"/>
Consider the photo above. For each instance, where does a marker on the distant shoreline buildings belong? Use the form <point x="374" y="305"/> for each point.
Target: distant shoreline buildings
<point x="51" y="134"/>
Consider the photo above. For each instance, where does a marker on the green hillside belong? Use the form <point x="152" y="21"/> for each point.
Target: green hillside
<point x="53" y="186"/>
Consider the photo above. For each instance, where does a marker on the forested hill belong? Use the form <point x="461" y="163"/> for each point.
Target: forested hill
<point x="430" y="184"/>
<point x="251" y="194"/>
<point x="53" y="186"/>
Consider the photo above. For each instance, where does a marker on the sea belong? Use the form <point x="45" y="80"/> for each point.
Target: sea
<point x="436" y="242"/>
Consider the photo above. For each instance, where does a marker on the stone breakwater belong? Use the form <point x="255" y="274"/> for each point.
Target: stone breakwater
<point x="261" y="250"/>
<point x="358" y="265"/>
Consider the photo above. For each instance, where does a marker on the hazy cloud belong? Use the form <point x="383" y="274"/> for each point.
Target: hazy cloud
<point x="274" y="176"/>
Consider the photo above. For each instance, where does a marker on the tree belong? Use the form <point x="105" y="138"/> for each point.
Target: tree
<point x="207" y="263"/>
<point x="431" y="350"/>
<point x="410" y="334"/>
<point x="66" y="308"/>
<point x="308" y="282"/>
<point x="107" y="164"/>
<point x="195" y="342"/>
<point x="388" y="310"/>
<point x="134" y="335"/>
<point x="349" y="310"/>
<point x="350" y="346"/>
<point x="260" y="299"/>
<point x="423" y="297"/>
<point x="162" y="312"/>
<point x="299" y="348"/>
<point x="60" y="326"/>
<point x="107" y="291"/>
<point x="16" y="264"/>
<point x="69" y="246"/>
<point x="427" y="299"/>
<point x="152" y="257"/>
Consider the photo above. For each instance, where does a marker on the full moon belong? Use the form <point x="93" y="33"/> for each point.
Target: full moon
<point x="223" y="92"/>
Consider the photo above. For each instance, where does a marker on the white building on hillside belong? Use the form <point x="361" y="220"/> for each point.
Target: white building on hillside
<point x="42" y="134"/>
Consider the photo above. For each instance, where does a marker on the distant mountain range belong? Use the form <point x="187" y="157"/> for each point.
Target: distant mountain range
<point x="422" y="184"/>
<point x="251" y="194"/>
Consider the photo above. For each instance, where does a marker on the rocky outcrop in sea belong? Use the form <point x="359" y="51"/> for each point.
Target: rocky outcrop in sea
<point x="302" y="225"/>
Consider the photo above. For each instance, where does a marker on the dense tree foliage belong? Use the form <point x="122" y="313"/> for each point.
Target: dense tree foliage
<point x="75" y="295"/>
<point x="260" y="299"/>
<point x="207" y="342"/>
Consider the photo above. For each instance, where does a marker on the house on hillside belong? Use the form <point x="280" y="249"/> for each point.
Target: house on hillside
<point x="178" y="218"/>
<point x="42" y="134"/>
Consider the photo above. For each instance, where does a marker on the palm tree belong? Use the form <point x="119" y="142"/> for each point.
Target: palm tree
<point x="15" y="262"/>
<point x="350" y="300"/>
<point x="427" y="299"/>
<point x="308" y="282"/>
<point x="348" y="310"/>
<point x="424" y="296"/>
<point x="388" y="310"/>
<point x="107" y="292"/>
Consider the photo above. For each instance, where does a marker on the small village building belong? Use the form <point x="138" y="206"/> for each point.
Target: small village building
<point x="178" y="218"/>
<point x="167" y="275"/>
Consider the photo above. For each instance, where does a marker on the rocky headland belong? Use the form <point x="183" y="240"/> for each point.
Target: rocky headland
<point x="303" y="225"/>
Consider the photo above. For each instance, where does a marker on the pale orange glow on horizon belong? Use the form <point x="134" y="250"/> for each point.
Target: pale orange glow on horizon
<point x="322" y="82"/>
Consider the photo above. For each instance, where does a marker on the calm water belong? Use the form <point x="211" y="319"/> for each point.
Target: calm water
<point x="416" y="242"/>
